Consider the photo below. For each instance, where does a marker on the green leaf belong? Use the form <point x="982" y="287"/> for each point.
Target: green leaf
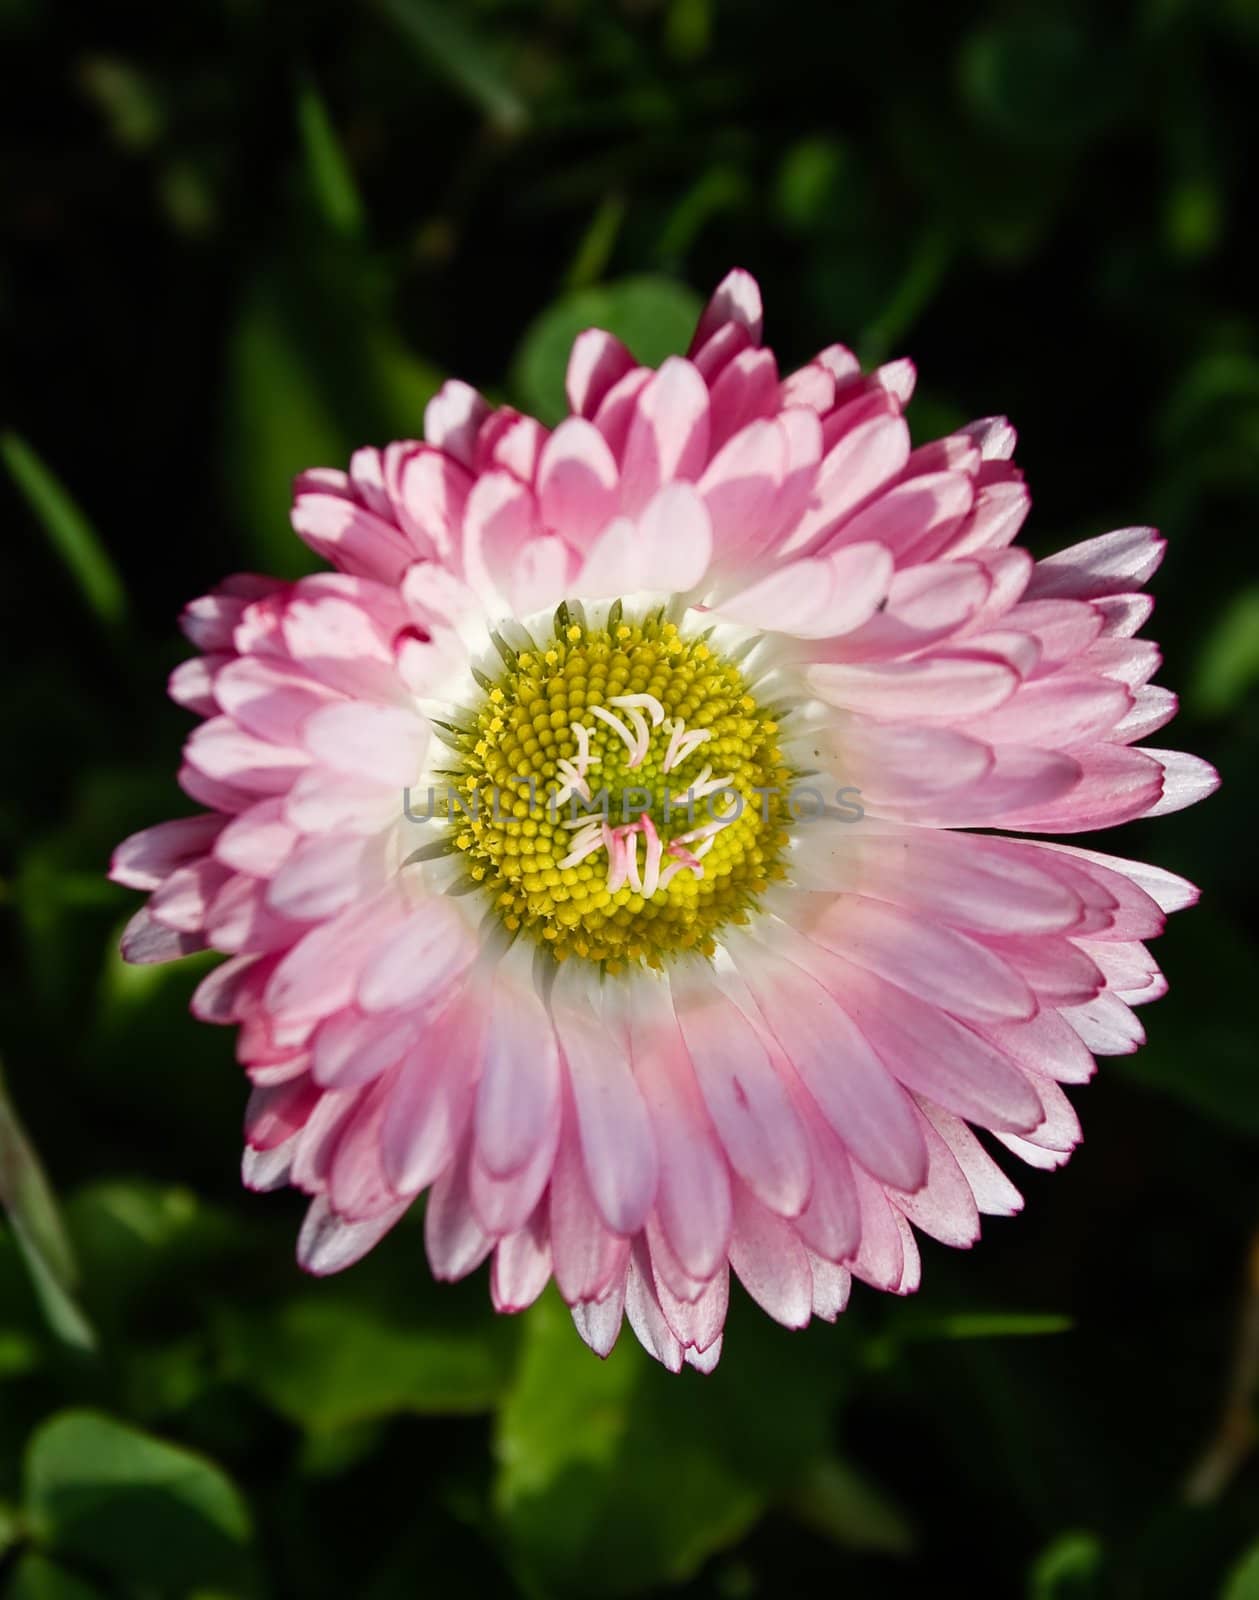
<point x="582" y="1485"/>
<point x="328" y="172"/>
<point x="1228" y="665"/>
<point x="132" y="1233"/>
<point x="11" y="1530"/>
<point x="68" y="530"/>
<point x="28" y="1201"/>
<point x="1243" y="1581"/>
<point x="37" y="1578"/>
<point x="654" y="316"/>
<point x="315" y="369"/>
<point x="1068" y="1569"/>
<point x="842" y="1503"/>
<point x="598" y="242"/>
<point x="135" y="1508"/>
<point x="441" y="33"/>
<point x="617" y="1475"/>
<point x="1042" y="80"/>
<point x="335" y="1357"/>
<point x="988" y="1325"/>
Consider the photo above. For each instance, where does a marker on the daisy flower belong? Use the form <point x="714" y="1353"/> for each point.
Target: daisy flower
<point x="626" y="843"/>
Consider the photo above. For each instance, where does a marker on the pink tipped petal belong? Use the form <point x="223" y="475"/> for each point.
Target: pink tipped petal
<point x="599" y="1321"/>
<point x="668" y="434"/>
<point x="746" y="1098"/>
<point x="519" y="1096"/>
<point x="1186" y="780"/>
<point x="646" y="1317"/>
<point x="618" y="1146"/>
<point x="770" y="1261"/>
<point x="328" y="1243"/>
<point x="147" y="858"/>
<point x="831" y="1287"/>
<point x="939" y="965"/>
<point x="816" y="598"/>
<point x="1111" y="564"/>
<point x="577" y="482"/>
<point x="417" y="964"/>
<point x="453" y="1237"/>
<point x="452" y="419"/>
<point x="945" y="1206"/>
<point x="995" y="1195"/>
<point x="522" y="1267"/>
<point x="145" y="940"/>
<point x="667" y="550"/>
<point x="598" y="361"/>
<point x="589" y="1259"/>
<point x="736" y="299"/>
<point x="693" y="1193"/>
<point x="937" y="688"/>
<point x="860" y="1099"/>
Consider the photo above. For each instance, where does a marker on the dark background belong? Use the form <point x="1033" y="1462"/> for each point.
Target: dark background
<point x="237" y="239"/>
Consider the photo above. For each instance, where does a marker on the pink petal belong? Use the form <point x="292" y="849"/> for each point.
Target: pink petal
<point x="452" y="419"/>
<point x="770" y="1261"/>
<point x="939" y="965"/>
<point x="668" y="434"/>
<point x="598" y="361"/>
<point x="935" y="688"/>
<point x="617" y="1143"/>
<point x="854" y="1091"/>
<point x="1111" y="564"/>
<point x="1186" y="780"/>
<point x="577" y="482"/>
<point x="746" y="1098"/>
<point x="522" y="1267"/>
<point x="453" y="1237"/>
<point x="693" y="1193"/>
<point x="416" y="964"/>
<point x="815" y="597"/>
<point x="329" y="1243"/>
<point x="351" y="537"/>
<point x="146" y="858"/>
<point x="519" y="1097"/>
<point x="737" y="299"/>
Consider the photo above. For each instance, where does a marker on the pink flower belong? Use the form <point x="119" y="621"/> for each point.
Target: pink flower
<point x="751" y="1016"/>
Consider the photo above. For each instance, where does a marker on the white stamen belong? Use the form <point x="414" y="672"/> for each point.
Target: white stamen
<point x="707" y="831"/>
<point x="683" y="861"/>
<point x="655" y="849"/>
<point x="585" y="760"/>
<point x="691" y="742"/>
<point x="648" y="700"/>
<point x="584" y="844"/>
<point x="643" y="734"/>
<point x="690" y="794"/>
<point x="701" y="791"/>
<point x="631" y="858"/>
<point x="574" y="782"/>
<point x="617" y="866"/>
<point x="614" y="722"/>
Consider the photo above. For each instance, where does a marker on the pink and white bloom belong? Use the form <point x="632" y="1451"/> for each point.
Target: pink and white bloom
<point x="716" y="1028"/>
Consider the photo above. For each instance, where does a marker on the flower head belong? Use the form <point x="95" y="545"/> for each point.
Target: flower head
<point x="594" y="848"/>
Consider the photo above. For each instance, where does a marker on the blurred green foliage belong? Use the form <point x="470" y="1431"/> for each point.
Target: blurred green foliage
<point x="240" y="237"/>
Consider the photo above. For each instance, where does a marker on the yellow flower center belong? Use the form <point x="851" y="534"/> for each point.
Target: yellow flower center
<point x="619" y="794"/>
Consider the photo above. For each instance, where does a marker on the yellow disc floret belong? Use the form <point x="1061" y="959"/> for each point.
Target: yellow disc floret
<point x="620" y="794"/>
